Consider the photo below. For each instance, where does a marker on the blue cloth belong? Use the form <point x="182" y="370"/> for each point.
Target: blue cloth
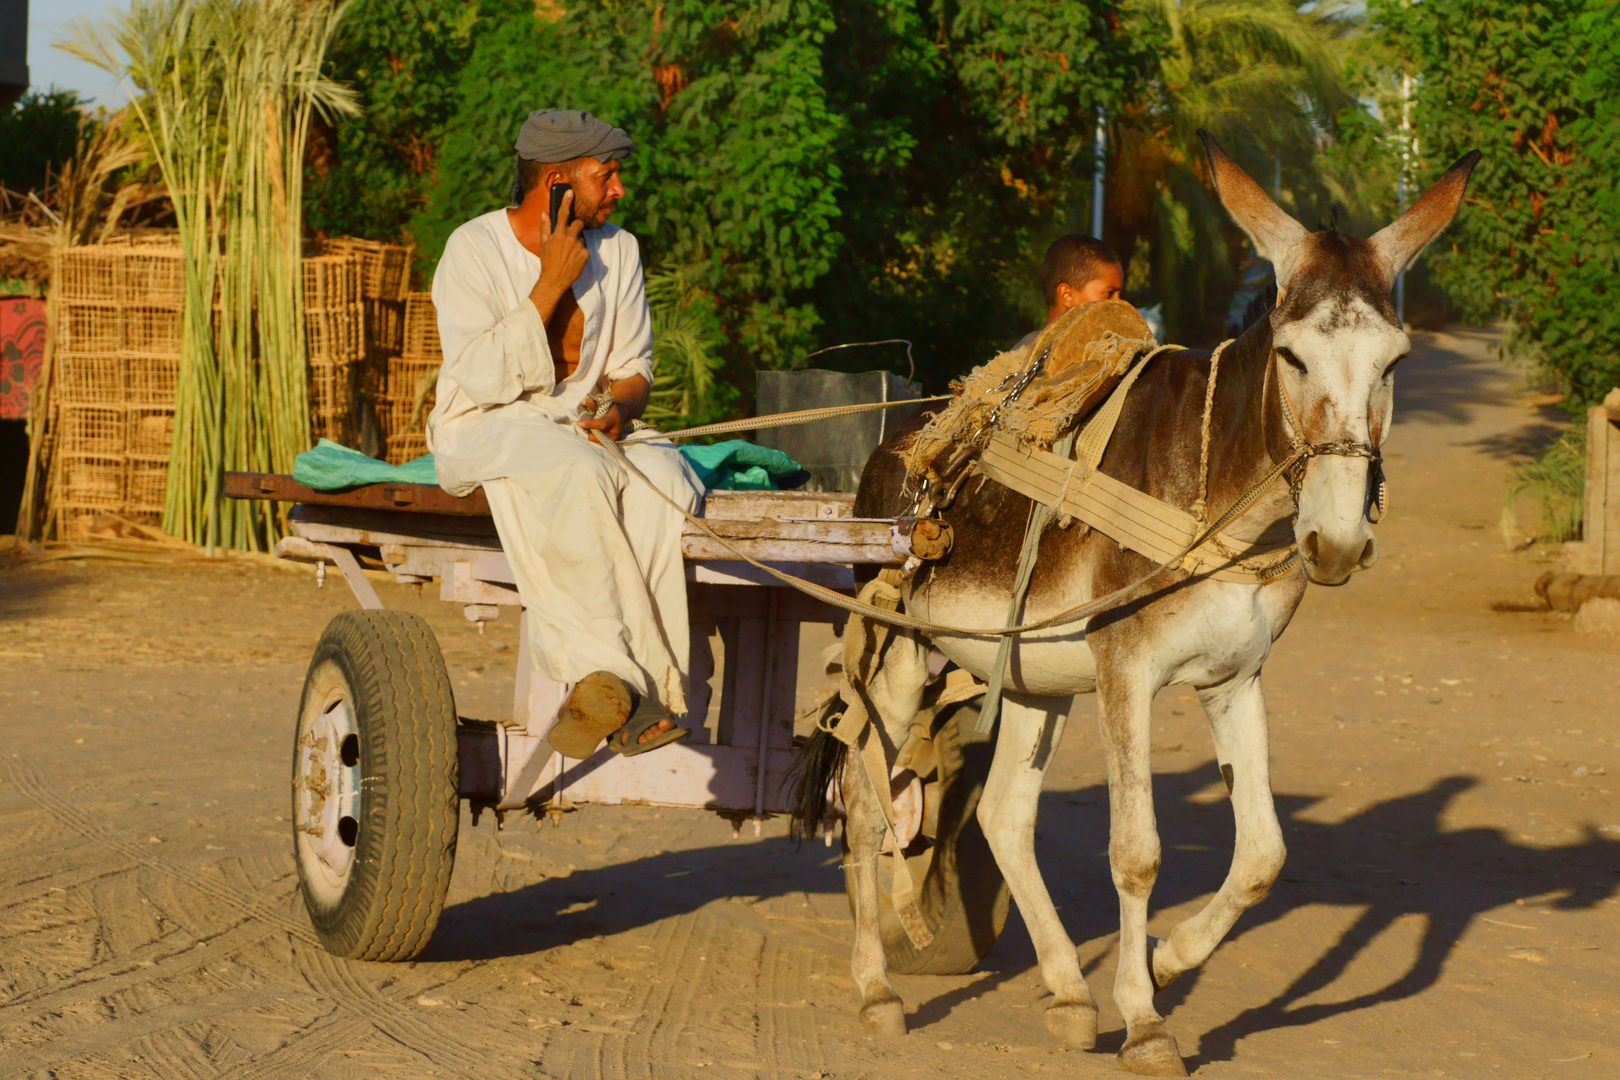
<point x="734" y="465"/>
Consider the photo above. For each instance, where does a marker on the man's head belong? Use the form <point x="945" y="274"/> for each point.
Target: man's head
<point x="574" y="148"/>
<point x="1078" y="268"/>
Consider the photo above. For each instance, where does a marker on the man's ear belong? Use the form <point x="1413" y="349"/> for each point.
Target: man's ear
<point x="1065" y="296"/>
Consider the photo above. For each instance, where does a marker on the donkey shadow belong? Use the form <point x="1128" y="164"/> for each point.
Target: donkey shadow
<point x="1391" y="860"/>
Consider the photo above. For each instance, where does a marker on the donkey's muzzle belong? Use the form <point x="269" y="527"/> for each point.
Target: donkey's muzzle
<point x="1330" y="563"/>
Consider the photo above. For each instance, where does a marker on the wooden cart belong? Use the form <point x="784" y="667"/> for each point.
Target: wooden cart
<point x="382" y="759"/>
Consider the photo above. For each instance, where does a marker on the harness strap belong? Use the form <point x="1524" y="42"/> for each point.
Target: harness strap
<point x="865" y="641"/>
<point x="1041" y="513"/>
<point x="1134" y="519"/>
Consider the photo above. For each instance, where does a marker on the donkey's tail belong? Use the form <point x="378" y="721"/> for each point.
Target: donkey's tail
<point x="817" y="761"/>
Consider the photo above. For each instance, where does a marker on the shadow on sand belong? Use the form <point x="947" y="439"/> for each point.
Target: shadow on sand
<point x="1393" y="859"/>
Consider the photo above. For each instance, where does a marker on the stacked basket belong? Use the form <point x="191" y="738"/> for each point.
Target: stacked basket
<point x="385" y="271"/>
<point x="334" y="338"/>
<point x="117" y="361"/>
<point x="409" y="380"/>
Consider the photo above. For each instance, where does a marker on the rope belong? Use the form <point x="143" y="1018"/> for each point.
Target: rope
<point x="1201" y="507"/>
<point x="787" y="419"/>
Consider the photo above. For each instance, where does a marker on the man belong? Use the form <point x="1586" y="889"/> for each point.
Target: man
<point x="1077" y="269"/>
<point x="545" y="326"/>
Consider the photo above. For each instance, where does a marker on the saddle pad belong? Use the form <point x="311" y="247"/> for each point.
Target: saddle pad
<point x="1092" y="346"/>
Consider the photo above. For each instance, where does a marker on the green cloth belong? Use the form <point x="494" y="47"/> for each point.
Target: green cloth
<point x="331" y="467"/>
<point x="734" y="465"/>
<point x="739" y="465"/>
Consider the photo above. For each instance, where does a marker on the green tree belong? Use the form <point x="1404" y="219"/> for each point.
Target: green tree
<point x="1265" y="77"/>
<point x="963" y="125"/>
<point x="734" y="174"/>
<point x="1537" y="89"/>
<point x="369" y="175"/>
<point x="39" y="132"/>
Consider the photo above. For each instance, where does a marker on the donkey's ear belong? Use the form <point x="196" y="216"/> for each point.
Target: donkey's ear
<point x="1400" y="242"/>
<point x="1275" y="235"/>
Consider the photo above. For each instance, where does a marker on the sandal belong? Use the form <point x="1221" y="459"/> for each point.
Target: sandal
<point x="599" y="705"/>
<point x="626" y="740"/>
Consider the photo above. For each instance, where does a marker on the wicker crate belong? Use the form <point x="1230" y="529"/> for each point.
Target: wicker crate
<point x="406" y="447"/>
<point x="89" y="329"/>
<point x="88" y="380"/>
<point x="385" y="269"/>
<point x="331" y="281"/>
<point x="151" y="380"/>
<point x="89" y="273"/>
<point x="148" y="479"/>
<point x="421" y="328"/>
<point x="385" y="326"/>
<point x="154" y="331"/>
<point x="150" y="431"/>
<point x="404" y="379"/>
<point x="331" y="390"/>
<point x="155" y="276"/>
<point x="334" y="335"/>
<point x="93" y="481"/>
<point x="92" y="429"/>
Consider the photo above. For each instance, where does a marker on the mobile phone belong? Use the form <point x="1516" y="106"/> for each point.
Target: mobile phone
<point x="557" y="191"/>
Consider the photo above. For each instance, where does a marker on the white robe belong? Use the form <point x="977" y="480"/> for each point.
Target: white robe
<point x="596" y="554"/>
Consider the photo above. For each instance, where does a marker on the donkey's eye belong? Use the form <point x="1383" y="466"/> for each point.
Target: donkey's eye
<point x="1390" y="370"/>
<point x="1288" y="357"/>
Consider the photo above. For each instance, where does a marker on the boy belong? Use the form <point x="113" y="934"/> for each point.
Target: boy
<point x="1077" y="269"/>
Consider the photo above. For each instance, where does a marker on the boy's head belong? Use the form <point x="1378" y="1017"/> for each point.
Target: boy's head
<point x="1078" y="268"/>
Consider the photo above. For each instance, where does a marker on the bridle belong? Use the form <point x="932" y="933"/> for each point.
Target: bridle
<point x="1377" y="499"/>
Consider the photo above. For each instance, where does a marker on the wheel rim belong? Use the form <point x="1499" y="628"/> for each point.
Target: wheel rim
<point x="326" y="791"/>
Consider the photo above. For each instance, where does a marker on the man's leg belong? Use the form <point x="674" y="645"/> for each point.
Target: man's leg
<point x="654" y="531"/>
<point x="557" y="513"/>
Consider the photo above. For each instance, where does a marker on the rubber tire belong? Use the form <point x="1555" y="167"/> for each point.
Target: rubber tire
<point x="409" y="808"/>
<point x="961" y="892"/>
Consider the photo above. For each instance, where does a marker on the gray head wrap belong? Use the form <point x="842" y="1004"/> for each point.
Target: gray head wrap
<point x="555" y="135"/>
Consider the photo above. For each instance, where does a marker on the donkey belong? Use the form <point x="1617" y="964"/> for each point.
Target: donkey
<point x="1315" y="373"/>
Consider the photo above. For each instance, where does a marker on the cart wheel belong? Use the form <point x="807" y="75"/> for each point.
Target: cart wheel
<point x="374" y="786"/>
<point x="960" y="890"/>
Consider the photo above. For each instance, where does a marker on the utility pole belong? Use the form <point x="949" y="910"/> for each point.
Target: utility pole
<point x="1098" y="170"/>
<point x="1401" y="182"/>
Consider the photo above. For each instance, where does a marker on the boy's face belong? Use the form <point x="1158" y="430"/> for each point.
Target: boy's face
<point x="1105" y="286"/>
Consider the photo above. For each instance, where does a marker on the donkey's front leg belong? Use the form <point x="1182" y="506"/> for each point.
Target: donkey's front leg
<point x="1031" y="728"/>
<point x="895" y="692"/>
<point x="1237" y="721"/>
<point x="1124" y="699"/>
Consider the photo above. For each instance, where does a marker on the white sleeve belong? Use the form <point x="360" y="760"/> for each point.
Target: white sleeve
<point x="493" y="359"/>
<point x="630" y="351"/>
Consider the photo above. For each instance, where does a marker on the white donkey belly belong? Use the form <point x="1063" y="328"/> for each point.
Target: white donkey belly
<point x="1056" y="661"/>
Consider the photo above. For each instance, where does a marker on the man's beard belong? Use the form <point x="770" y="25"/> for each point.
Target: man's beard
<point x="598" y="216"/>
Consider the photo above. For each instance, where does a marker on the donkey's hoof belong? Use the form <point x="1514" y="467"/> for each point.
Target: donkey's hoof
<point x="1152" y="1051"/>
<point x="1074" y="1022"/>
<point x="885" y="1016"/>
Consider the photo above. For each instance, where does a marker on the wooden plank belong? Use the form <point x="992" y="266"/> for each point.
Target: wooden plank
<point x="1594" y="526"/>
<point x="417" y="498"/>
<point x="678" y="775"/>
<point x="753" y="505"/>
<point x="1608" y="453"/>
<point x="825" y="541"/>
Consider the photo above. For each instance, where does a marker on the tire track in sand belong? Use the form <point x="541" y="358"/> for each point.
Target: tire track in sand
<point x="32" y="784"/>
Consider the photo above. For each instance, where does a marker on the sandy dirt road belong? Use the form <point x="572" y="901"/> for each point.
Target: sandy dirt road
<point x="1445" y="772"/>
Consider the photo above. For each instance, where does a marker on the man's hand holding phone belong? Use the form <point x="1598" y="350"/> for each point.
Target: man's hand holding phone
<point x="562" y="254"/>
